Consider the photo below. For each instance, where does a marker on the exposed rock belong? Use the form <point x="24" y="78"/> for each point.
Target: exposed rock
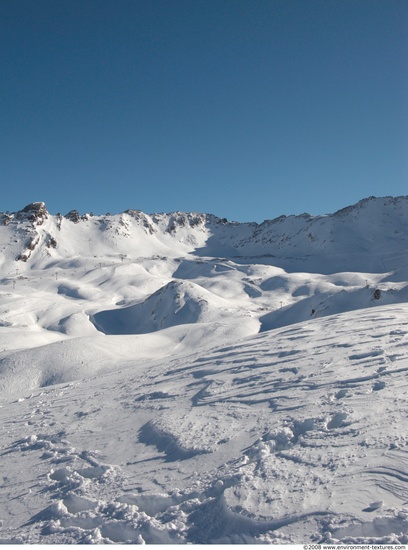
<point x="32" y="243"/>
<point x="5" y="218"/>
<point x="51" y="242"/>
<point x="142" y="218"/>
<point x="58" y="218"/>
<point x="73" y="216"/>
<point x="35" y="212"/>
<point x="183" y="219"/>
<point x="23" y="257"/>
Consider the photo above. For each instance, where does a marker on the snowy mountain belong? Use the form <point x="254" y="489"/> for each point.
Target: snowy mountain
<point x="175" y="378"/>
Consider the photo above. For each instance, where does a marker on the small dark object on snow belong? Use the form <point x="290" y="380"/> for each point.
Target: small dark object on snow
<point x="377" y="294"/>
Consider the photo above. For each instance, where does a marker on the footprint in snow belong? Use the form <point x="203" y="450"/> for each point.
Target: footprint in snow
<point x="76" y="491"/>
<point x="342" y="393"/>
<point x="374" y="506"/>
<point x="337" y="421"/>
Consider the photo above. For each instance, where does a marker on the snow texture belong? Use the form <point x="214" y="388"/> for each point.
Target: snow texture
<point x="178" y="378"/>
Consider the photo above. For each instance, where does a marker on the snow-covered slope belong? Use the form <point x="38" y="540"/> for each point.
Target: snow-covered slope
<point x="295" y="435"/>
<point x="179" y="378"/>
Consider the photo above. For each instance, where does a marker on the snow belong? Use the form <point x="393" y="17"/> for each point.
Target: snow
<point x="158" y="390"/>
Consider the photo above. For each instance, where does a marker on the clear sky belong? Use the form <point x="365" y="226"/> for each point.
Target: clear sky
<point x="247" y="109"/>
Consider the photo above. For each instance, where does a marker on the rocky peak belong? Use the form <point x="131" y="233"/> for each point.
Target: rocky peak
<point x="35" y="212"/>
<point x="73" y="216"/>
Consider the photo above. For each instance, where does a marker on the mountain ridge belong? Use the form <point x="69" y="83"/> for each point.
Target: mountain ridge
<point x="40" y="208"/>
<point x="363" y="224"/>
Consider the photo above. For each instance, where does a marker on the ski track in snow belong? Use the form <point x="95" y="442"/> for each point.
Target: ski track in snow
<point x="226" y="401"/>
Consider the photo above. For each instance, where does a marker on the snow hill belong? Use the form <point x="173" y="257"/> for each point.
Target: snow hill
<point x="178" y="378"/>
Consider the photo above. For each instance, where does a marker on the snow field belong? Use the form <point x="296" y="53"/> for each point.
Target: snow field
<point x="289" y="436"/>
<point x="176" y="379"/>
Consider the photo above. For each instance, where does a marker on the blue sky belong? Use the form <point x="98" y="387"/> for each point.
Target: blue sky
<point x="247" y="109"/>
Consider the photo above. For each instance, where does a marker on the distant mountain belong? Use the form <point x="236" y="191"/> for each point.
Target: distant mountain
<point x="367" y="236"/>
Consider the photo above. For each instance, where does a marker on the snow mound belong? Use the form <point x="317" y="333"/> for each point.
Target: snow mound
<point x="176" y="303"/>
<point x="77" y="324"/>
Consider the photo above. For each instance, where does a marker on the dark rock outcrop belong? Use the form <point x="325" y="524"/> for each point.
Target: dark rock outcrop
<point x="35" y="212"/>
